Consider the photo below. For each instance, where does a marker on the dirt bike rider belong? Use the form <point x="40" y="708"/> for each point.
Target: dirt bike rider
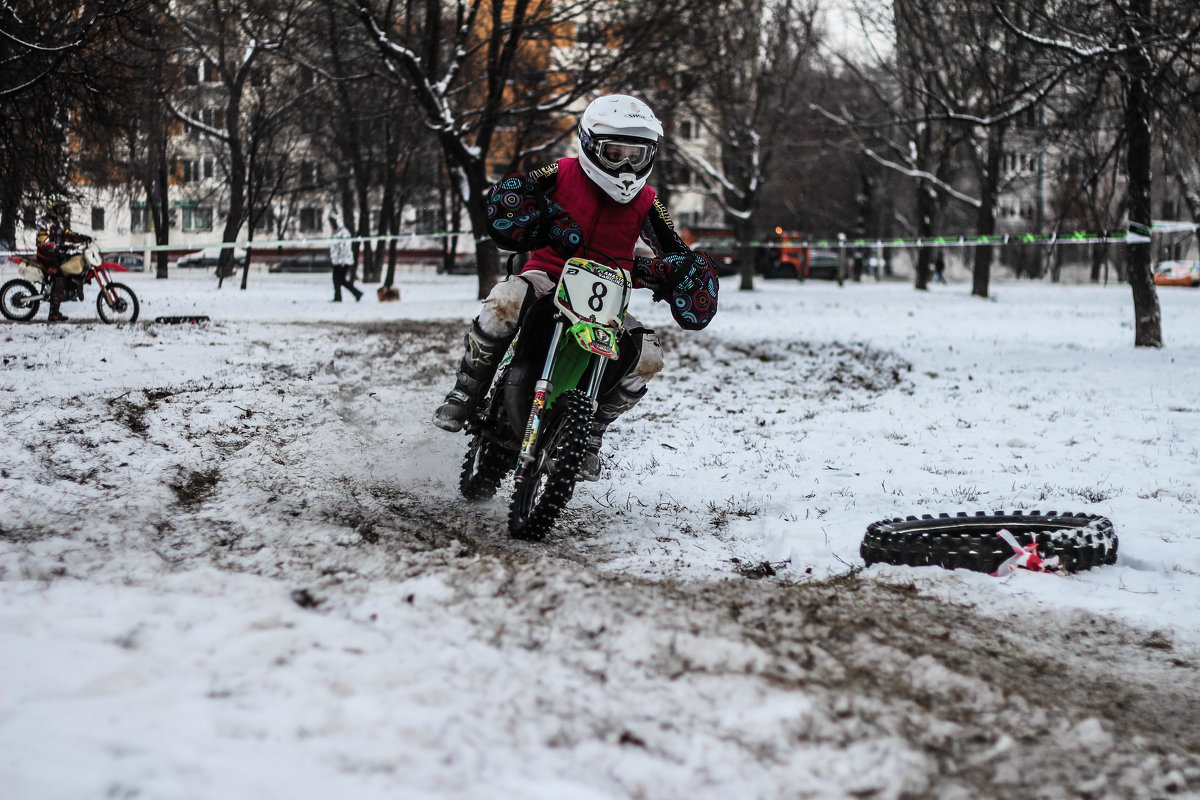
<point x="598" y="200"/>
<point x="50" y="238"/>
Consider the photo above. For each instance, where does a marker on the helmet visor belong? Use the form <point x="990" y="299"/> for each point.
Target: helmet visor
<point x="613" y="153"/>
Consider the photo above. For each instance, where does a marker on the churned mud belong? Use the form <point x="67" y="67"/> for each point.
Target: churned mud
<point x="756" y="670"/>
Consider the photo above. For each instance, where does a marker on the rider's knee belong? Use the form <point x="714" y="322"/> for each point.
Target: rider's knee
<point x="502" y="309"/>
<point x="649" y="363"/>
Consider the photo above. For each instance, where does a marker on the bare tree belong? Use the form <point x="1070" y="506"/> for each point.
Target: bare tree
<point x="1153" y="58"/>
<point x="757" y="58"/>
<point x="367" y="128"/>
<point x="239" y="41"/>
<point x="467" y="65"/>
<point x="59" y="73"/>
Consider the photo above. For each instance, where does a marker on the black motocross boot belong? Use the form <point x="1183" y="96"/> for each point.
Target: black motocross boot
<point x="471" y="382"/>
<point x="611" y="406"/>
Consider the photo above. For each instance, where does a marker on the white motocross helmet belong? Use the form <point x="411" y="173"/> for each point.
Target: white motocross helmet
<point x="618" y="139"/>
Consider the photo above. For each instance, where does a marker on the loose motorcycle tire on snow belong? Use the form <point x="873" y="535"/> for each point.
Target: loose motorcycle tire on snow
<point x="12" y="300"/>
<point x="548" y="485"/>
<point x="1081" y="541"/>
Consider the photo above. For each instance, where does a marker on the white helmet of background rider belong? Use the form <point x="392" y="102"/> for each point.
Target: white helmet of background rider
<point x="618" y="139"/>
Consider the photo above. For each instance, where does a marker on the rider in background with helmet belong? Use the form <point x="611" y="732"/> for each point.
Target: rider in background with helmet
<point x="50" y="238"/>
<point x="595" y="206"/>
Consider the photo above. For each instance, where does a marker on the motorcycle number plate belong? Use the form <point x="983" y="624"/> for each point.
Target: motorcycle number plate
<point x="593" y="292"/>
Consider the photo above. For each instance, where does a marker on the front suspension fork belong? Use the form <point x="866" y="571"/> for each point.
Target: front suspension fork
<point x="544" y="394"/>
<point x="103" y="281"/>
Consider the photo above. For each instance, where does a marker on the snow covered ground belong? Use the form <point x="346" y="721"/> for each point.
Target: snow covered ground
<point x="233" y="561"/>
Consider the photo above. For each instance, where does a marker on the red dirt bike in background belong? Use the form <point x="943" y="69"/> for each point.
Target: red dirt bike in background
<point x="21" y="297"/>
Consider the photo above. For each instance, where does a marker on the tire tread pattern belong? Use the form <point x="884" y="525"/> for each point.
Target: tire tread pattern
<point x="120" y="291"/>
<point x="566" y="438"/>
<point x="484" y="467"/>
<point x="1081" y="541"/>
<point x="11" y="288"/>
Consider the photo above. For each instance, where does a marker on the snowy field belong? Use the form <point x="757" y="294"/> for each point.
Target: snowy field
<point x="233" y="560"/>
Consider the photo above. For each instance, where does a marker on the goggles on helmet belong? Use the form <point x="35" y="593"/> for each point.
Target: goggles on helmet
<point x="613" y="153"/>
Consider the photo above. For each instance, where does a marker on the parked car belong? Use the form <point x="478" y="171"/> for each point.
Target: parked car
<point x="133" y="262"/>
<point x="1178" y="273"/>
<point x="316" y="261"/>
<point x="208" y="257"/>
<point x="823" y="264"/>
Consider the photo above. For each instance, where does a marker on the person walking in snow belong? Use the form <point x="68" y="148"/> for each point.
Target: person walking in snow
<point x="545" y="213"/>
<point x="341" y="255"/>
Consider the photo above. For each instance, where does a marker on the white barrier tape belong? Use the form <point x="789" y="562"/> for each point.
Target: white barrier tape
<point x="324" y="241"/>
<point x="1136" y="235"/>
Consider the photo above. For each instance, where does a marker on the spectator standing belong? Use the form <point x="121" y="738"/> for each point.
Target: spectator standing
<point x="341" y="255"/>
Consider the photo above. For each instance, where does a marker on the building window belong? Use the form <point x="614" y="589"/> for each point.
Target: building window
<point x="97" y="218"/>
<point x="310" y="219"/>
<point x="200" y="72"/>
<point x="139" y="219"/>
<point x="197" y="218"/>
<point x="197" y="169"/>
<point x="687" y="130"/>
<point x="310" y="174"/>
<point x="213" y="117"/>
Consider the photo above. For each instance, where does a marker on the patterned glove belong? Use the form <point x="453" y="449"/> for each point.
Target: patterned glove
<point x="687" y="280"/>
<point x="521" y="218"/>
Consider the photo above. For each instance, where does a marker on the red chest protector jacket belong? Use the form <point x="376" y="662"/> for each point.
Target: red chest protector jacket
<point x="557" y="209"/>
<point x="612" y="227"/>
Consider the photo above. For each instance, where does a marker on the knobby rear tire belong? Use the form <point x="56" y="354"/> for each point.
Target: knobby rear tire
<point x="484" y="467"/>
<point x="548" y="485"/>
<point x="13" y="291"/>
<point x="1081" y="541"/>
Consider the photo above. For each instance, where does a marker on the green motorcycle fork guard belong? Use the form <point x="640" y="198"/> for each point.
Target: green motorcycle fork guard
<point x="571" y="360"/>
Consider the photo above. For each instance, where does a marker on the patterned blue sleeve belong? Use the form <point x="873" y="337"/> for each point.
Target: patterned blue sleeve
<point x="522" y="218"/>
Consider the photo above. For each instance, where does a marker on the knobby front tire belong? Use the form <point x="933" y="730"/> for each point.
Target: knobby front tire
<point x="548" y="485"/>
<point x="1081" y="541"/>
<point x="125" y="306"/>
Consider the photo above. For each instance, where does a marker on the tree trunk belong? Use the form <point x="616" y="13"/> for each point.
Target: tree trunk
<point x="1147" y="317"/>
<point x="743" y="233"/>
<point x="387" y="210"/>
<point x="237" y="189"/>
<point x="1099" y="256"/>
<point x="10" y="209"/>
<point x="159" y="201"/>
<point x="926" y="207"/>
<point x="985" y="219"/>
<point x="487" y="256"/>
